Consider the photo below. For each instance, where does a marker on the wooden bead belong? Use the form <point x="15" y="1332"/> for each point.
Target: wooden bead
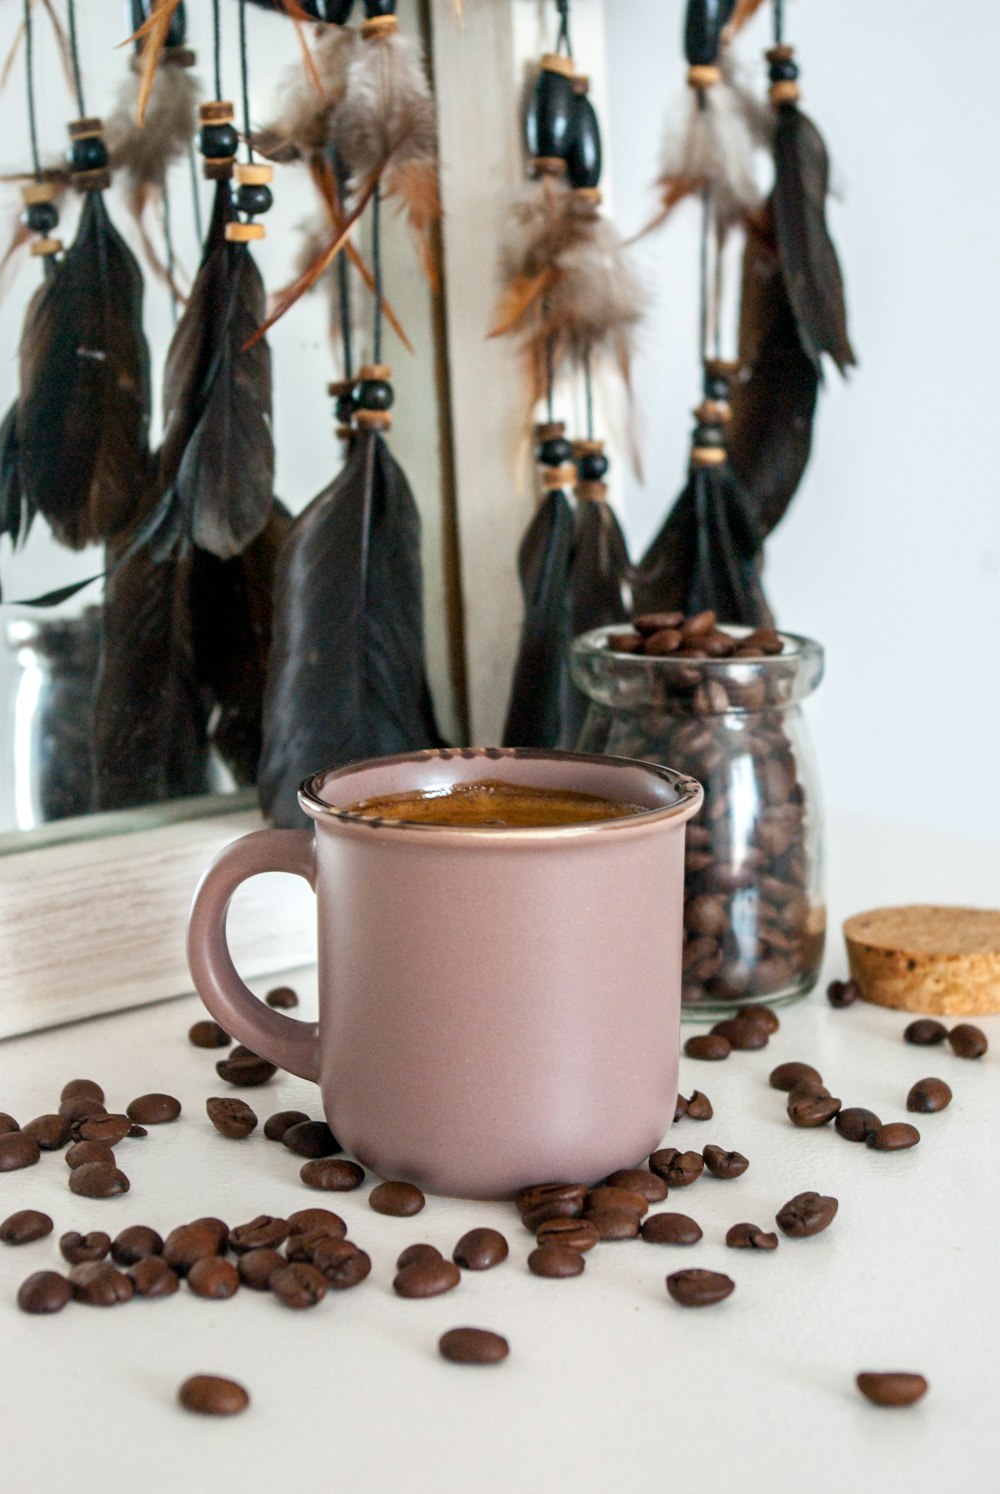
<point x="253" y="174"/>
<point x="92" y="181"/>
<point x="593" y="492"/>
<point x="550" y="430"/>
<point x="344" y="432"/>
<point x="380" y="371"/>
<point x="377" y="27"/>
<point x="713" y="412"/>
<point x="785" y="92"/>
<point x="374" y="420"/>
<point x="784" y="53"/>
<point x="590" y="195"/>
<point x="339" y="387"/>
<point x="34" y="192"/>
<point x="548" y="166"/>
<point x="216" y="111"/>
<point x="40" y="247"/>
<point x="83" y="129"/>
<point x="242" y="233"/>
<point x="558" y="477"/>
<point x="218" y="168"/>
<point x="722" y="368"/>
<point x="708" y="456"/>
<point x="588" y="448"/>
<point x="703" y="75"/>
<point x="555" y="62"/>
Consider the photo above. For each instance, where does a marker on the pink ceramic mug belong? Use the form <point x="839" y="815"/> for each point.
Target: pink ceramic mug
<point x="497" y="1007"/>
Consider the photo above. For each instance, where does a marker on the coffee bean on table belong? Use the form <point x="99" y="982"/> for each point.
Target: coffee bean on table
<point x="841" y="993"/>
<point x="571" y="1195"/>
<point x="709" y="1046"/>
<point x="723" y="1164"/>
<point x="787" y="1075"/>
<point x="427" y="1279"/>
<point x="332" y="1175"/>
<point x="808" y="1111"/>
<point x="189" y="1243"/>
<point x="24" y="1227"/>
<point x="613" y="1224"/>
<point x="671" y="1229"/>
<point x="677" y="1169"/>
<point x="212" y="1395"/>
<point x="925" y="1032"/>
<point x="807" y="1089"/>
<point x="638" y="1180"/>
<point x="89" y="1151"/>
<point x="78" y="1107"/>
<point x="276" y="1125"/>
<point x="473" y="1346"/>
<point x="231" y="1117"/>
<point x="217" y="1228"/>
<point x="152" y="1277"/>
<point x="99" y="1284"/>
<point x="680" y="1108"/>
<point x="856" y="1123"/>
<point x="109" y="1129"/>
<point x="699" y="1288"/>
<point x="299" y="1285"/>
<point x="750" y="1237"/>
<point x="928" y="1096"/>
<point x="98" y="1180"/>
<point x="557" y="1208"/>
<point x="257" y="1267"/>
<point x="342" y="1263"/>
<point x="44" y="1292"/>
<point x="50" y="1131"/>
<point x="891" y="1387"/>
<point x="398" y="1200"/>
<point x="77" y="1248"/>
<point x="17" y="1150"/>
<point x="87" y="1087"/>
<point x="135" y="1244"/>
<point x="208" y="1034"/>
<point x="245" y="1069"/>
<point x="742" y="1035"/>
<point x="577" y="1234"/>
<point x="282" y="997"/>
<point x="415" y="1253"/>
<point x="967" y="1041"/>
<point x="316" y="1222"/>
<point x="311" y="1138"/>
<point x="615" y="1199"/>
<point x="764" y="1016"/>
<point x="556" y="1262"/>
<point x="897" y="1136"/>
<point x="137" y="1132"/>
<point x="265" y="1232"/>
<point x="806" y="1214"/>
<point x="7" y="1124"/>
<point x="482" y="1249"/>
<point x="699" y="1107"/>
<point x="214" y="1277"/>
<point x="153" y="1110"/>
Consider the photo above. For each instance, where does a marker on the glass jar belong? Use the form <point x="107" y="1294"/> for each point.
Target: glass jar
<point x="754" y="915"/>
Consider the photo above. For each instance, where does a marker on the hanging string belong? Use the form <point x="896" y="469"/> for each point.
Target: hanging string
<point x="217" y="47"/>
<point x="195" y="190"/>
<point x="377" y="272"/>
<point x="340" y="176"/>
<point x="168" y="239"/>
<point x="588" y="393"/>
<point x="703" y="314"/>
<point x="717" y="300"/>
<point x="30" y="82"/>
<point x="550" y="375"/>
<point x="779" y="22"/>
<point x="75" y="58"/>
<point x="563" y="38"/>
<point x="245" y="79"/>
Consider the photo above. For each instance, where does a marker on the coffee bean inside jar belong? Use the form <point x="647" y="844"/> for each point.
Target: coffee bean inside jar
<point x="723" y="705"/>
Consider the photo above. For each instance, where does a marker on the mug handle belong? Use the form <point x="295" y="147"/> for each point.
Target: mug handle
<point x="291" y="1044"/>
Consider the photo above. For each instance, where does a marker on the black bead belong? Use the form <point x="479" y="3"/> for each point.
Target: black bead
<point x="373" y="394"/>
<point x="555" y="451"/>
<point x="338" y="12"/>
<point x="177" y="33"/>
<point x="254" y="200"/>
<point x="708" y="435"/>
<point x="783" y="70"/>
<point x="583" y="152"/>
<point x="218" y="142"/>
<point x="88" y="154"/>
<point x="40" y="217"/>
<point x="344" y="409"/>
<point x="592" y="467"/>
<point x="549" y="117"/>
<point x="716" y="387"/>
<point x="375" y="8"/>
<point x="703" y="25"/>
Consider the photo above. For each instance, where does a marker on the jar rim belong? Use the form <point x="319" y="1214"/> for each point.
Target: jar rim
<point x="798" y="648"/>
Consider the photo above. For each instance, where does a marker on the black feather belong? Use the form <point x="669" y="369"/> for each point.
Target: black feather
<point x="540" y="688"/>
<point x="599" y="590"/>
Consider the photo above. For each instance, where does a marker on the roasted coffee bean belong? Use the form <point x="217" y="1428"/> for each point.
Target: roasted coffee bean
<point x="613" y="1224"/>
<point x="856" y="1123"/>
<point x="299" y="1286"/>
<point x="50" y="1131"/>
<point x="399" y="1200"/>
<point x="556" y="1208"/>
<point x="706" y="915"/>
<point x="925" y="1032"/>
<point x="257" y="1267"/>
<point x="807" y="1089"/>
<point x="135" y="1244"/>
<point x="152" y="1277"/>
<point x="841" y="993"/>
<point x="414" y="1253"/>
<point x="426" y="1279"/>
<point x="750" y="1237"/>
<point x="77" y="1248"/>
<point x="214" y="1277"/>
<point x="137" y="1132"/>
<point x="265" y="1232"/>
<point x="24" y="1227"/>
<point x="153" y="1110"/>
<point x="680" y="1108"/>
<point x="208" y="1034"/>
<point x="615" y="1200"/>
<point x="276" y="1125"/>
<point x="638" y="1180"/>
<point x="677" y="1169"/>
<point x="810" y="1110"/>
<point x="529" y="1199"/>
<point x="897" y="1136"/>
<point x="343" y="1265"/>
<point x="78" y="1107"/>
<point x="708" y="1045"/>
<point x="891" y="1387"/>
<point x="189" y="1243"/>
<point x="806" y="1214"/>
<point x="473" y="1346"/>
<point x="282" y="997"/>
<point x="556" y="1261"/>
<point x="44" y="1292"/>
<point x="245" y="1069"/>
<point x="217" y="1228"/>
<point x="967" y="1041"/>
<point x="699" y="1107"/>
<point x="98" y="1180"/>
<point x="99" y="1284"/>
<point x="311" y="1139"/>
<point x="231" y="1117"/>
<point x="89" y="1151"/>
<point x="7" y="1124"/>
<point x="481" y="1249"/>
<point x="666" y="641"/>
<point x="109" y="1129"/>
<point x="316" y="1222"/>
<point x="762" y="1015"/>
<point x="653" y="622"/>
<point x="741" y="1034"/>
<point x="698" y="1288"/>
<point x="211" y="1395"/>
<point x="670" y="1229"/>
<point x="87" y="1087"/>
<point x="723" y="1164"/>
<point x="332" y="1175"/>
<point x="787" y="1075"/>
<point x="300" y="1247"/>
<point x="577" y="1234"/>
<point x="929" y="1095"/>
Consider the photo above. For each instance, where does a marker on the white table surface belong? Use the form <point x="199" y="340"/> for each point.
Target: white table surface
<point x="608" y="1383"/>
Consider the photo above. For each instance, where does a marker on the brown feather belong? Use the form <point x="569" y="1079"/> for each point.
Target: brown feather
<point x="745" y="11"/>
<point x="154" y="32"/>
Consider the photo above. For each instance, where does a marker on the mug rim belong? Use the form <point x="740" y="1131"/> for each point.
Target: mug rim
<point x="688" y="790"/>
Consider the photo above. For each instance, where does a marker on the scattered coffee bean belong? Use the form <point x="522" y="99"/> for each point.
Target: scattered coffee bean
<point x="416" y="1253"/>
<point x="928" y="1096"/>
<point x="89" y="1151"/>
<point x="481" y="1249"/>
<point x="153" y="1110"/>
<point x="152" y="1277"/>
<point x="806" y="1214"/>
<point x="7" y="1124"/>
<point x="299" y="1286"/>
<point x="638" y="1180"/>
<point x="699" y="1288"/>
<point x="891" y="1387"/>
<point x="211" y="1395"/>
<point x="750" y="1237"/>
<point x="218" y="1230"/>
<point x="343" y="1265"/>
<point x="276" y="1125"/>
<point x="742" y="1035"/>
<point x="897" y="1136"/>
<point x="257" y="1267"/>
<point x="208" y="1034"/>
<point x="282" y="997"/>
<point x="231" y="1117"/>
<point x="670" y="1229"/>
<point x="316" y="1222"/>
<point x="677" y="1169"/>
<point x="807" y="1089"/>
<point x="311" y="1139"/>
<point x="245" y="1069"/>
<point x="189" y="1243"/>
<point x="556" y="1262"/>
<point x="615" y="1200"/>
<point x="856" y="1123"/>
<point x="78" y="1107"/>
<point x="577" y="1234"/>
<point x="787" y="1075"/>
<point x="137" y="1132"/>
<point x="17" y="1150"/>
<point x="77" y="1248"/>
<point x="24" y="1227"/>
<point x="925" y="1032"/>
<point x="841" y="993"/>
<point x="86" y="1087"/>
<point x="680" y="1108"/>
<point x="699" y="1107"/>
<point x="709" y="1046"/>
<point x="214" y="1277"/>
<point x="50" y="1131"/>
<point x="723" y="1164"/>
<point x="301" y="1247"/>
<point x="135" y="1244"/>
<point x="98" y="1180"/>
<point x="473" y="1346"/>
<point x="764" y="1016"/>
<point x="265" y="1232"/>
<point x="332" y="1175"/>
<point x="109" y="1129"/>
<point x="614" y="1224"/>
<point x="427" y="1279"/>
<point x="540" y="1194"/>
<point x="398" y="1200"/>
<point x="44" y="1292"/>
<point x="556" y="1208"/>
<point x="99" y="1284"/>
<point x="809" y="1111"/>
<point x="967" y="1041"/>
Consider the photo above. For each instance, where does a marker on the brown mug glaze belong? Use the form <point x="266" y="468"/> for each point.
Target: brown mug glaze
<point x="497" y="1006"/>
